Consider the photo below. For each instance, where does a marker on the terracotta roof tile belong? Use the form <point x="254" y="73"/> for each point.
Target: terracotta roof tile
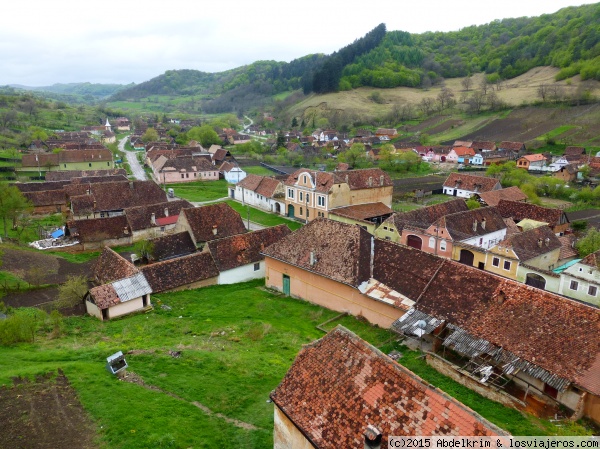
<point x="340" y="251"/>
<point x="70" y="174"/>
<point x="104" y="296"/>
<point x="424" y="217"/>
<point x="174" y="245"/>
<point x="111" y="266"/>
<point x="180" y="272"/>
<point x="469" y="224"/>
<point x="362" y="211"/>
<point x="471" y="183"/>
<point x="513" y="146"/>
<point x="519" y="211"/>
<point x="140" y="217"/>
<point x="203" y="221"/>
<point x="340" y="384"/>
<point x="250" y="182"/>
<point x="99" y="229"/>
<point x="46" y="197"/>
<point x="567" y="251"/>
<point x="492" y="197"/>
<point x="242" y="249"/>
<point x="356" y="179"/>
<point x="532" y="243"/>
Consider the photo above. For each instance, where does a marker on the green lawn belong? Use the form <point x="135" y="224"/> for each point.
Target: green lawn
<point x="236" y="343"/>
<point x="259" y="170"/>
<point x="200" y="191"/>
<point x="263" y="218"/>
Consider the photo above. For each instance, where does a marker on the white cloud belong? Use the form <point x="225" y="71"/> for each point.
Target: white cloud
<point x="46" y="42"/>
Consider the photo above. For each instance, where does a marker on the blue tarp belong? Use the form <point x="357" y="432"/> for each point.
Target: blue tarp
<point x="58" y="233"/>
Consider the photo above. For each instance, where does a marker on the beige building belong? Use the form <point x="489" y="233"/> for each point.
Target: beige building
<point x="311" y="194"/>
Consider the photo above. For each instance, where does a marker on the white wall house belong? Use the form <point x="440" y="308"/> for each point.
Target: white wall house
<point x="486" y="241"/>
<point x="581" y="281"/>
<point x="235" y="175"/>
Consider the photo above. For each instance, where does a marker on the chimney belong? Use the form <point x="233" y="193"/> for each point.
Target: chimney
<point x="475" y="226"/>
<point x="540" y="243"/>
<point x="381" y="180"/>
<point x="372" y="437"/>
<point x="94" y="205"/>
<point x="313" y="259"/>
<point x="547" y="241"/>
<point x="166" y="211"/>
<point x="346" y="179"/>
<point x="131" y="185"/>
<point x="483" y="223"/>
<point x="370" y="181"/>
<point x="125" y="230"/>
<point x="153" y="219"/>
<point x="214" y="230"/>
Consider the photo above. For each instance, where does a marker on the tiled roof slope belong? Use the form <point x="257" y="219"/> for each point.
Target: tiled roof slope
<point x="519" y="211"/>
<point x="250" y="182"/>
<point x="46" y="197"/>
<point x="471" y="183"/>
<point x="268" y="186"/>
<point x="362" y="211"/>
<point x="492" y="197"/>
<point x="174" y="245"/>
<point x="110" y="266"/>
<point x="461" y="226"/>
<point x="139" y="217"/>
<point x="189" y="163"/>
<point x="533" y="243"/>
<point x="69" y="174"/>
<point x="220" y="216"/>
<point x="99" y="229"/>
<point x="514" y="146"/>
<point x="341" y="251"/>
<point x="557" y="334"/>
<point x="242" y="249"/>
<point x="340" y="384"/>
<point x="567" y="251"/>
<point x="40" y="186"/>
<point x="179" y="272"/>
<point x="592" y="260"/>
<point x="356" y="179"/>
<point x="424" y="217"/>
<point x="104" y="296"/>
<point x="119" y="195"/>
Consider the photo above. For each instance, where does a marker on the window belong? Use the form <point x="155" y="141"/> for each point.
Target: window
<point x="506" y="265"/>
<point x="291" y="193"/>
<point x="304" y="179"/>
<point x="431" y="242"/>
<point x="182" y="176"/>
<point x="321" y="200"/>
<point x="301" y="196"/>
<point x="90" y="164"/>
<point x="108" y="163"/>
<point x="257" y="266"/>
<point x="301" y="212"/>
<point x="574" y="285"/>
<point x="592" y="290"/>
<point x="496" y="262"/>
<point x="308" y="198"/>
<point x="187" y="175"/>
<point x="443" y="245"/>
<point x="307" y="212"/>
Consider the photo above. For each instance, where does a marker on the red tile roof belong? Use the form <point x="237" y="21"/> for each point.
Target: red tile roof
<point x="140" y="217"/>
<point x="340" y="384"/>
<point x="362" y="212"/>
<point x="242" y="249"/>
<point x="356" y="179"/>
<point x="174" y="245"/>
<point x="213" y="221"/>
<point x="99" y="229"/>
<point x="566" y="250"/>
<point x="105" y="296"/>
<point x="424" y="217"/>
<point x="533" y="243"/>
<point x="472" y="183"/>
<point x="111" y="266"/>
<point x="513" y="146"/>
<point x="519" y="211"/>
<point x="340" y="251"/>
<point x="469" y="224"/>
<point x="172" y="219"/>
<point x="492" y="197"/>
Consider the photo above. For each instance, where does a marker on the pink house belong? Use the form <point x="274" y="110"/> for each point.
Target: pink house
<point x="185" y="169"/>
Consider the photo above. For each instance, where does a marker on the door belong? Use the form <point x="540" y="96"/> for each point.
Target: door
<point x="466" y="257"/>
<point x="535" y="280"/>
<point x="414" y="241"/>
<point x="291" y="211"/>
<point x="286" y="285"/>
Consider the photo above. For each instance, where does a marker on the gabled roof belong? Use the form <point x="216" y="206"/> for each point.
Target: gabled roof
<point x="268" y="187"/>
<point x="99" y="229"/>
<point x="424" y="217"/>
<point x="356" y="179"/>
<point x="339" y="251"/>
<point x="469" y="224"/>
<point x="471" y="183"/>
<point x="533" y="243"/>
<point x="492" y="197"/>
<point x="534" y="157"/>
<point x="483" y="145"/>
<point x="464" y="151"/>
<point x="519" y="211"/>
<point x="140" y="217"/>
<point x="69" y="174"/>
<point x="174" y="245"/>
<point x="123" y="290"/>
<point x="574" y="151"/>
<point x="46" y="197"/>
<point x="566" y="250"/>
<point x="180" y="272"/>
<point x="213" y="221"/>
<point x="513" y="146"/>
<point x="340" y="384"/>
<point x="111" y="266"/>
<point x="362" y="212"/>
<point x="242" y="249"/>
<point x="592" y="260"/>
<point x="187" y="164"/>
<point x="250" y="182"/>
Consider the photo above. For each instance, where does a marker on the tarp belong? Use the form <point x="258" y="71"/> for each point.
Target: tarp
<point x="58" y="233"/>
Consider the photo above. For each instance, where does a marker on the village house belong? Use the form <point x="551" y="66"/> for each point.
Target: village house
<point x="231" y="172"/>
<point x="170" y="246"/>
<point x="500" y="331"/>
<point x="210" y="222"/>
<point x="152" y="220"/>
<point x="567" y="173"/>
<point x="461" y="155"/>
<point x="264" y="192"/>
<point x="519" y="211"/>
<point x="418" y="220"/>
<point x="464" y="186"/>
<point x="95" y="233"/>
<point x="535" y="162"/>
<point x="238" y="257"/>
<point x="68" y="175"/>
<point x="483" y="146"/>
<point x="386" y="133"/>
<point x="184" y="169"/>
<point x="96" y="159"/>
<point x="122" y="124"/>
<point x="312" y="194"/>
<point x="343" y="392"/>
<point x="107" y="199"/>
<point x="516" y="148"/>
<point x="493" y="197"/>
<point x="581" y="279"/>
<point x="368" y="216"/>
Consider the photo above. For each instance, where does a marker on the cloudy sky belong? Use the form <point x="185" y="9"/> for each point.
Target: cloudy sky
<point x="43" y="42"/>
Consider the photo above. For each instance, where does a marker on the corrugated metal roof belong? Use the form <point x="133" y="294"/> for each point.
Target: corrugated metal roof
<point x="132" y="287"/>
<point x="415" y="322"/>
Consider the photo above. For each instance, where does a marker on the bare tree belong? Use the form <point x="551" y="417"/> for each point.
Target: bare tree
<point x="467" y="82"/>
<point x="484" y="85"/>
<point x="542" y="92"/>
<point x="445" y="98"/>
<point x="408" y="112"/>
<point x="475" y="102"/>
<point x="427" y="105"/>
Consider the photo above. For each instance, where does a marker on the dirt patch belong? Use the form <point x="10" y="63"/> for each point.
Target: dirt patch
<point x="428" y="183"/>
<point x="45" y="414"/>
<point x="443" y="127"/>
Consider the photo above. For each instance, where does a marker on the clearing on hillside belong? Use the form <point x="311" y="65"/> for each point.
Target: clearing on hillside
<point x="43" y="414"/>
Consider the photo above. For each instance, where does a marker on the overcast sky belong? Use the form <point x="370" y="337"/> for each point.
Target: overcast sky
<point x="43" y="42"/>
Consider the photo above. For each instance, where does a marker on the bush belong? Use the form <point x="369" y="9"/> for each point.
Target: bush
<point x="21" y="326"/>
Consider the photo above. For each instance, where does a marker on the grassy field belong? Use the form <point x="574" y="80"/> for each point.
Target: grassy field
<point x="236" y="343"/>
<point x="263" y="218"/>
<point x="258" y="170"/>
<point x="200" y="191"/>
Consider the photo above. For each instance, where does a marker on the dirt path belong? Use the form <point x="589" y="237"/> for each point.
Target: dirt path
<point x="134" y="378"/>
<point x="45" y="414"/>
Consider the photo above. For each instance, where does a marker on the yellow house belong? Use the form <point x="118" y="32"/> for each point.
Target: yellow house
<point x="311" y="194"/>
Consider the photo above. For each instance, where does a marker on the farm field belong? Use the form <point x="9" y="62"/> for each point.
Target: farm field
<point x="201" y="367"/>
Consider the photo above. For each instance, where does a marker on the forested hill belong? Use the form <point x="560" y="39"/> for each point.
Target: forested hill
<point x="568" y="39"/>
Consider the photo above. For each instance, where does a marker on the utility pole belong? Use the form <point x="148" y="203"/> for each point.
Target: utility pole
<point x="248" y="208"/>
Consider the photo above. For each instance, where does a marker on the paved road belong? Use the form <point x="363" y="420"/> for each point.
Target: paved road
<point x="134" y="163"/>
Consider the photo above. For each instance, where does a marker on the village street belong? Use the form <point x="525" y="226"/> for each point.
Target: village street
<point x="134" y="163"/>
